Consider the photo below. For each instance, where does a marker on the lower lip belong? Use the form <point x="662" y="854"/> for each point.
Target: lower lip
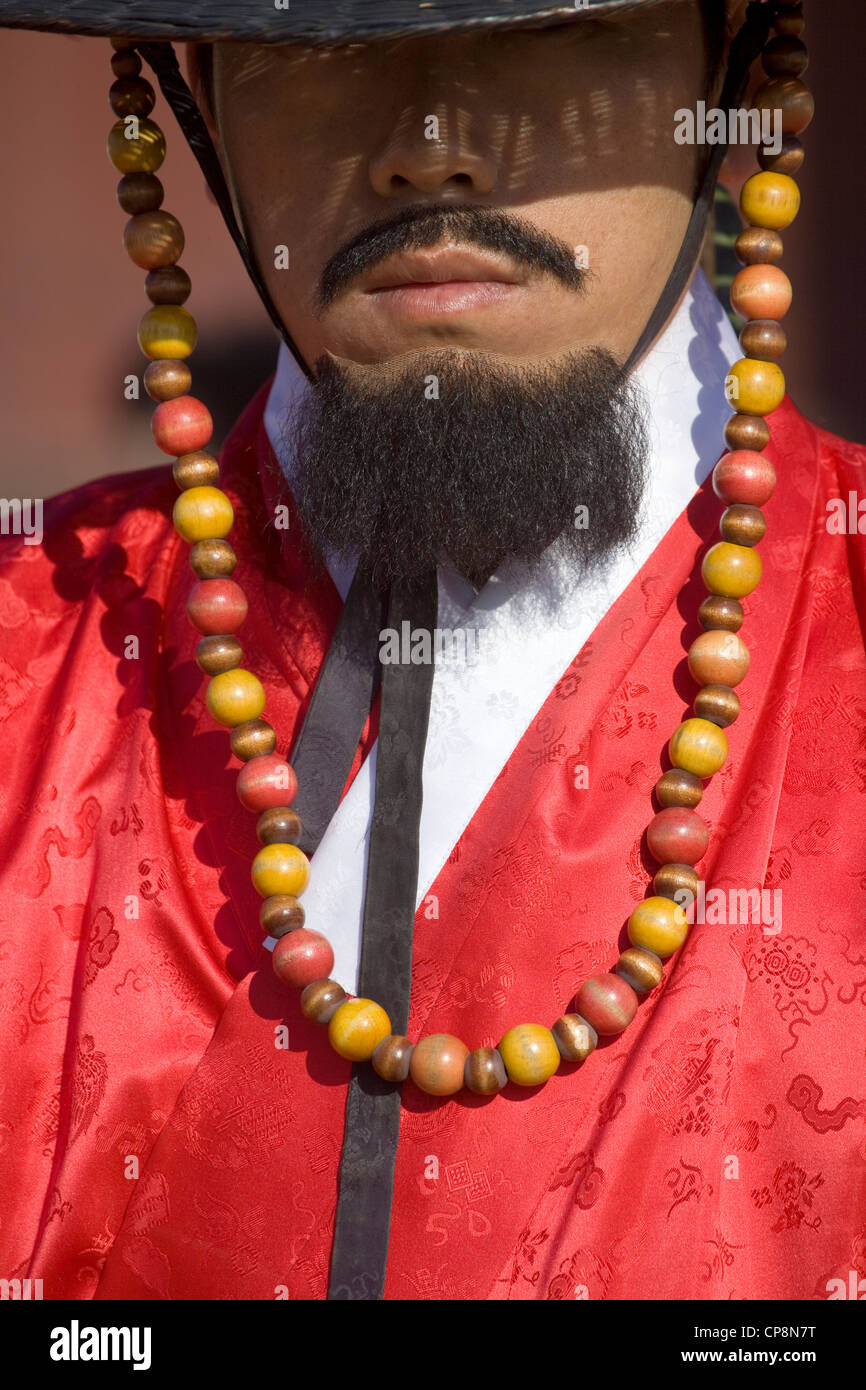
<point x="442" y="297"/>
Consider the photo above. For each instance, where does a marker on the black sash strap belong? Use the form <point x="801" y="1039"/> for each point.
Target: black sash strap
<point x="360" y="1248"/>
<point x="335" y="719"/>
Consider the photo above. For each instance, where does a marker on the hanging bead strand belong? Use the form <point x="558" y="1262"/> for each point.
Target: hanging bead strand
<point x="203" y="515"/>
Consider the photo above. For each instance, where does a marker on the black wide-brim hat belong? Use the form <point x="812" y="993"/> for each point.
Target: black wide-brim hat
<point x="310" y="21"/>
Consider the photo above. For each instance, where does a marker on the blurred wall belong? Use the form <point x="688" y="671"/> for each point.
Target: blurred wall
<point x="826" y="247"/>
<point x="71" y="299"/>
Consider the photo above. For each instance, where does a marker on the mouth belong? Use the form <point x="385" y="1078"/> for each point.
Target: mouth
<point x="446" y="280"/>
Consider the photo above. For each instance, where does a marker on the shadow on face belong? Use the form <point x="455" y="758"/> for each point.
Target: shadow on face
<point x="518" y="192"/>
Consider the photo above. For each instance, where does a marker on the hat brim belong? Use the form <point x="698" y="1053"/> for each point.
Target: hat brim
<point x="302" y="21"/>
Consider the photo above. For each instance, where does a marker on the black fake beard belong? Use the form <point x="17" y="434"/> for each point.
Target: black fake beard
<point x="462" y="459"/>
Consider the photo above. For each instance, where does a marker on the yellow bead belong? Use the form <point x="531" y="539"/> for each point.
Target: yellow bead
<point x="357" y="1028"/>
<point x="280" y="869"/>
<point x="659" y="925"/>
<point x="770" y="200"/>
<point x="755" y="388"/>
<point x="731" y="570"/>
<point x="203" y="514"/>
<point x="698" y="746"/>
<point x="167" y="330"/>
<point x="235" y="696"/>
<point x="530" y="1054"/>
<point x="141" y="154"/>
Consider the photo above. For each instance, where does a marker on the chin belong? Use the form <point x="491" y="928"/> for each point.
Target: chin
<point x="433" y="458"/>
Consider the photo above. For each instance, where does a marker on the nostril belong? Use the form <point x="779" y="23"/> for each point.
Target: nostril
<point x="461" y="178"/>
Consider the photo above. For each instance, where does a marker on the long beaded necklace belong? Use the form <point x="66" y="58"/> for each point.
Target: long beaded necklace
<point x="677" y="836"/>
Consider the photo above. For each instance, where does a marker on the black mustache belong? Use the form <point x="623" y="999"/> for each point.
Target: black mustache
<point x="414" y="227"/>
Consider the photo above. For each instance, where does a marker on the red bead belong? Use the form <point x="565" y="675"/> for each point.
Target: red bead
<point x="677" y="836"/>
<point x="302" y="957"/>
<point x="744" y="476"/>
<point x="181" y="426"/>
<point x="607" y="1003"/>
<point x="216" y="606"/>
<point x="267" y="781"/>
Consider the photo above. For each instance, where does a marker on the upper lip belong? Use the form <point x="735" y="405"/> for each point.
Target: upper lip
<point x="437" y="265"/>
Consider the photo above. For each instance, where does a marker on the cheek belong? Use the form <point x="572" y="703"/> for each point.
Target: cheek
<point x="637" y="248"/>
<point x="298" y="195"/>
<point x="628" y="238"/>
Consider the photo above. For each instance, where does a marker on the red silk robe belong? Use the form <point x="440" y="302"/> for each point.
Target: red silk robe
<point x="157" y="1143"/>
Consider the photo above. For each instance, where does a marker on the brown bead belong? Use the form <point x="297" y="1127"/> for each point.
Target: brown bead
<point x="789" y="159"/>
<point x="671" y="879"/>
<point x="790" y="96"/>
<point x="279" y="825"/>
<point x="125" y="63"/>
<point x="747" y="432"/>
<point x="164" y="379"/>
<point x="719" y="611"/>
<point x="392" y="1057"/>
<point x="253" y="739"/>
<point x="281" y="914"/>
<point x="789" y="20"/>
<point x="153" y="239"/>
<point x="212" y="559"/>
<point x="217" y="654"/>
<point x="574" y="1037"/>
<point x="140" y="193"/>
<point x="679" y="788"/>
<point x="131" y="96"/>
<point x="742" y="524"/>
<point x="719" y="657"/>
<point x="759" y="246"/>
<point x="764" y="339"/>
<point x="321" y="1000"/>
<point x="168" y="284"/>
<point x="785" y="56"/>
<point x="484" y="1071"/>
<point x="198" y="469"/>
<point x="641" y="969"/>
<point x="718" y="703"/>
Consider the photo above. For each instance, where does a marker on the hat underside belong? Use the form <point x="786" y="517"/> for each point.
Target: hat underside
<point x="293" y="21"/>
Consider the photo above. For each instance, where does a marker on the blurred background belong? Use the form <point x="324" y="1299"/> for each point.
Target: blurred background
<point x="71" y="299"/>
<point x="70" y="296"/>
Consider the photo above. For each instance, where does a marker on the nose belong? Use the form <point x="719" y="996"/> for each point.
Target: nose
<point x="432" y="152"/>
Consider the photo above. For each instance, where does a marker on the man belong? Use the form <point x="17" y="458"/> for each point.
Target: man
<point x="464" y="234"/>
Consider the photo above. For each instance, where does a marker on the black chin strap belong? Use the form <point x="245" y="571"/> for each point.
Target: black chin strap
<point x="746" y="47"/>
<point x="162" y="60"/>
